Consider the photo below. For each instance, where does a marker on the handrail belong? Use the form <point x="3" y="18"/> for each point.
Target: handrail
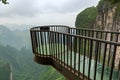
<point x="78" y="53"/>
<point x="97" y="30"/>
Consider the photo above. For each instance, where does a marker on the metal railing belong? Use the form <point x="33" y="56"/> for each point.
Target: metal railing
<point x="78" y="53"/>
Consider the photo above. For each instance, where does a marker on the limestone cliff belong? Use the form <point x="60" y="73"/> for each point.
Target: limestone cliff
<point x="108" y="18"/>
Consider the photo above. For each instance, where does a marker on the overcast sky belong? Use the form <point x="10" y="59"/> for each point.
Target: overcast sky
<point x="43" y="12"/>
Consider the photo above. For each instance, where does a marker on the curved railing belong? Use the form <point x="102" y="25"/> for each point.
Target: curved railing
<point x="78" y="53"/>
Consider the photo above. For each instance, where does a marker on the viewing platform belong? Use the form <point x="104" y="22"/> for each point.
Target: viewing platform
<point x="78" y="54"/>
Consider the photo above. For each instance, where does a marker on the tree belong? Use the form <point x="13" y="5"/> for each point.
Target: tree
<point x="113" y="1"/>
<point x="86" y="18"/>
<point x="4" y="1"/>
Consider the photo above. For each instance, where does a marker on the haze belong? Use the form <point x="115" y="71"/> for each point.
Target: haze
<point x="43" y="12"/>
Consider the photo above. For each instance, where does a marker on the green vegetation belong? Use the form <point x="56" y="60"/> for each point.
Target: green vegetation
<point x="4" y="70"/>
<point x="4" y="1"/>
<point x="117" y="14"/>
<point x="86" y="18"/>
<point x="53" y="74"/>
<point x="113" y="1"/>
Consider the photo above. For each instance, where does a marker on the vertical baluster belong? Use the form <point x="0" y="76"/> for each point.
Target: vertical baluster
<point x="55" y="46"/>
<point x="54" y="43"/>
<point x="97" y="35"/>
<point x="79" y="55"/>
<point x="42" y="42"/>
<point x="45" y="35"/>
<point x="96" y="58"/>
<point x="75" y="51"/>
<point x="36" y="45"/>
<point x="100" y="46"/>
<point x="106" y="35"/>
<point x="88" y="33"/>
<point x="111" y="37"/>
<point x="52" y="38"/>
<point x="31" y="34"/>
<point x="104" y="57"/>
<point x="39" y="51"/>
<point x="113" y="61"/>
<point x="39" y="39"/>
<point x="90" y="57"/>
<point x="92" y="34"/>
<point x="82" y="32"/>
<point x="33" y="41"/>
<point x="71" y="53"/>
<point x="84" y="56"/>
<point x="49" y="43"/>
<point x="59" y="48"/>
<point x="67" y="38"/>
<point x="117" y="37"/>
<point x="64" y="48"/>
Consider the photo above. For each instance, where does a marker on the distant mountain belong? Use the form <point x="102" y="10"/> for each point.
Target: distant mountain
<point x="15" y="49"/>
<point x="23" y="65"/>
<point x="16" y="38"/>
<point x="18" y="27"/>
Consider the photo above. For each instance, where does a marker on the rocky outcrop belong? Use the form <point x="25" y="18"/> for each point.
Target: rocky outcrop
<point x="108" y="17"/>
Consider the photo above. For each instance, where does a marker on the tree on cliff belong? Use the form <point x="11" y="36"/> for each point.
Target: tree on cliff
<point x="86" y="18"/>
<point x="113" y="1"/>
<point x="4" y="1"/>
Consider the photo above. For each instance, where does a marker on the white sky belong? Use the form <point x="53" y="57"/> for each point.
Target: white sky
<point x="43" y="12"/>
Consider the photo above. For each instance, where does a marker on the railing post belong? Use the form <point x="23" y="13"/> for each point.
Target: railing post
<point x="113" y="61"/>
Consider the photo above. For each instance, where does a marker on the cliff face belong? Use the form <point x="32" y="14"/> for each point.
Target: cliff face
<point x="108" y="18"/>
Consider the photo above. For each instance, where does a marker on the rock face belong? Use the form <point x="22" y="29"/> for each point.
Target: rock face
<point x="108" y="19"/>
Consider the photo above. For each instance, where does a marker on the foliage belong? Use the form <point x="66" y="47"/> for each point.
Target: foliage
<point x="86" y="18"/>
<point x="4" y="1"/>
<point x="100" y="4"/>
<point x="4" y="70"/>
<point x="113" y="1"/>
<point x="23" y="66"/>
<point x="53" y="74"/>
<point x="118" y="9"/>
